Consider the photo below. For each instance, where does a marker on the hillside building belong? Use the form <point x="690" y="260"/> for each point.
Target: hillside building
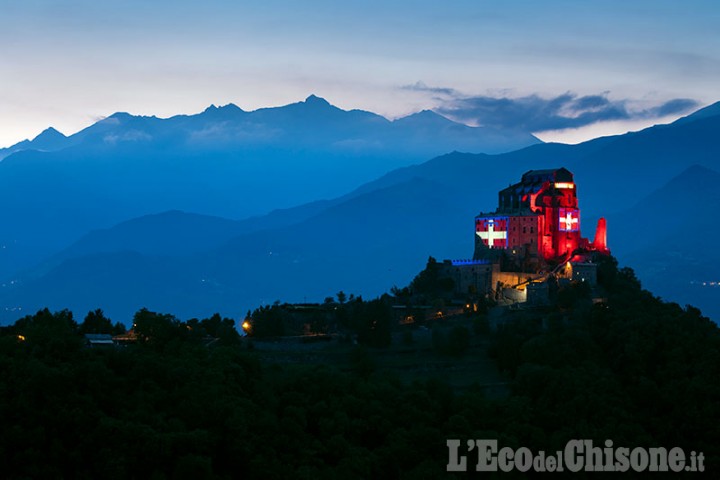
<point x="534" y="234"/>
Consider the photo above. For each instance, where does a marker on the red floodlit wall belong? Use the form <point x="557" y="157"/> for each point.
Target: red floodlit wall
<point x="539" y="215"/>
<point x="600" y="242"/>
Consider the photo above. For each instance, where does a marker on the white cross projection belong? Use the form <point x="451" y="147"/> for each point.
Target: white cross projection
<point x="569" y="221"/>
<point x="491" y="235"/>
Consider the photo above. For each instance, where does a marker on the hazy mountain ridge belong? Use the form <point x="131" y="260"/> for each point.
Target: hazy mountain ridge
<point x="265" y="265"/>
<point x="612" y="172"/>
<point x="49" y="139"/>
<point x="685" y="203"/>
<point x="293" y="121"/>
<point x="668" y="238"/>
<point x="223" y="162"/>
<point x="382" y="233"/>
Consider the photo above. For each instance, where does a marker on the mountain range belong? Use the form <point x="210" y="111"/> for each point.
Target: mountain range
<point x="656" y="187"/>
<point x="223" y="162"/>
<point x="669" y="239"/>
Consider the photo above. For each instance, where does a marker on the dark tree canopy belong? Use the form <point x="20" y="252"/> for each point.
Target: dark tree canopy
<point x="633" y="369"/>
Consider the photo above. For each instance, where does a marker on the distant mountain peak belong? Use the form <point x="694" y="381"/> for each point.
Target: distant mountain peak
<point x="432" y="114"/>
<point x="695" y="177"/>
<point x="228" y="109"/>
<point x="697" y="169"/>
<point x="119" y="116"/>
<point x="49" y="139"/>
<point x="231" y="107"/>
<point x="425" y="117"/>
<point x="49" y="134"/>
<point x="315" y="100"/>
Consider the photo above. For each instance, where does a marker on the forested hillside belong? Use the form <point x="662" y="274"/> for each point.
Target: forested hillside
<point x="633" y="369"/>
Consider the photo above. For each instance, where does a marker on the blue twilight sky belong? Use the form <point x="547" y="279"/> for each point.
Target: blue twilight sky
<point x="577" y="68"/>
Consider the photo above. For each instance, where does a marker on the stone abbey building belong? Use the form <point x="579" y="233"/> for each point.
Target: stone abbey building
<point x="533" y="233"/>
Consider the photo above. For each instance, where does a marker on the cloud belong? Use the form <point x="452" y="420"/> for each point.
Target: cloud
<point x="421" y="87"/>
<point x="679" y="105"/>
<point x="534" y="113"/>
<point x="108" y="120"/>
<point x="227" y="132"/>
<point x="129" y="136"/>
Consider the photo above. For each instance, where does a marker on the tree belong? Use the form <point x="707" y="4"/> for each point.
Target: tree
<point x="216" y="326"/>
<point x="341" y="297"/>
<point x="269" y="321"/>
<point x="53" y="335"/>
<point x="158" y="329"/>
<point x="96" y="322"/>
<point x="431" y="283"/>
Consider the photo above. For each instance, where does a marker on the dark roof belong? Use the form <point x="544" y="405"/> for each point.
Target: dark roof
<point x="98" y="339"/>
<point x="532" y="180"/>
<point x="550" y="175"/>
<point x="523" y="212"/>
<point x="98" y="336"/>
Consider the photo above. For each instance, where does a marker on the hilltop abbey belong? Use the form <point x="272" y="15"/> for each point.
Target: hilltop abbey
<point x="526" y="252"/>
<point x="534" y="234"/>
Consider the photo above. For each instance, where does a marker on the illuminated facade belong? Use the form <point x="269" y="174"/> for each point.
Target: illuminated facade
<point x="537" y="219"/>
<point x="530" y="242"/>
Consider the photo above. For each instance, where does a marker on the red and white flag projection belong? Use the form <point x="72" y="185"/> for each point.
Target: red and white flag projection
<point x="569" y="220"/>
<point x="492" y="231"/>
